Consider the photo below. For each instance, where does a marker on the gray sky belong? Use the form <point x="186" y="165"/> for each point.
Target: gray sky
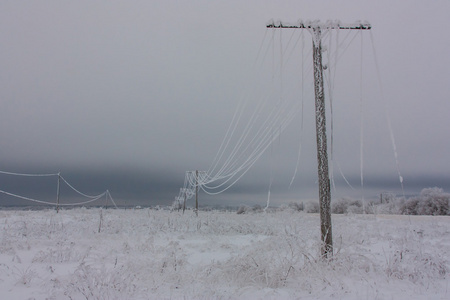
<point x="128" y="95"/>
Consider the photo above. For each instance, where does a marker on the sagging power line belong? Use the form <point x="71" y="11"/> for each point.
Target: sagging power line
<point x="57" y="203"/>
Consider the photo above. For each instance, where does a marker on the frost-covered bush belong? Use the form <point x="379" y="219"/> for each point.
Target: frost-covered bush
<point x="387" y="197"/>
<point x="312" y="207"/>
<point x="296" y="206"/>
<point x="257" y="208"/>
<point x="339" y="206"/>
<point x="176" y="205"/>
<point x="346" y="205"/>
<point x="431" y="201"/>
<point x="394" y="206"/>
<point x="243" y="209"/>
<point x="409" y="207"/>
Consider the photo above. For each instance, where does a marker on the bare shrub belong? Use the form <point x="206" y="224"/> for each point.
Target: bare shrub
<point x="297" y="206"/>
<point x="393" y="206"/>
<point x="243" y="209"/>
<point x="346" y="205"/>
<point x="312" y="207"/>
<point x="257" y="208"/>
<point x="431" y="201"/>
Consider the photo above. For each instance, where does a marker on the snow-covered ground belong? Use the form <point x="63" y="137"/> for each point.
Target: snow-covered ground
<point x="150" y="254"/>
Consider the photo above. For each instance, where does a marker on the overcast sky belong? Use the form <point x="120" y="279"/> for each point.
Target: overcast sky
<point x="128" y="95"/>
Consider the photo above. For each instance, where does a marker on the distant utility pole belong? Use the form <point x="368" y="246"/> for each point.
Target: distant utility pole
<point x="57" y="192"/>
<point x="197" y="184"/>
<point x="322" y="157"/>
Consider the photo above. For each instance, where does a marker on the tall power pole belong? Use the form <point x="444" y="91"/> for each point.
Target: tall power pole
<point x="321" y="135"/>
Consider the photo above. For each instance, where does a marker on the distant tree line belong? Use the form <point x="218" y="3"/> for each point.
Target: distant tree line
<point x="431" y="201"/>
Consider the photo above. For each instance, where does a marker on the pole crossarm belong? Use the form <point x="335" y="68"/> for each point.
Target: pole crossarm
<point x="317" y="24"/>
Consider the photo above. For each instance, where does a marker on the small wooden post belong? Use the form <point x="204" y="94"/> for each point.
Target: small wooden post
<point x="196" y="193"/>
<point x="184" y="202"/>
<point x="57" y="193"/>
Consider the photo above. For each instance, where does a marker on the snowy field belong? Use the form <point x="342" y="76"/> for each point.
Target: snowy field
<point x="150" y="254"/>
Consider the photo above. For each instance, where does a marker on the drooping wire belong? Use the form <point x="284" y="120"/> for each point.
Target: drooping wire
<point x="330" y="85"/>
<point x="330" y="79"/>
<point x="256" y="138"/>
<point x="238" y="147"/>
<point x="92" y="198"/>
<point x="271" y="174"/>
<point x="111" y="198"/>
<point x="361" y="148"/>
<point x="29" y="175"/>
<point x="77" y="191"/>
<point x="52" y="203"/>
<point x="302" y="106"/>
<point x="244" y="168"/>
<point x="243" y="103"/>
<point x="239" y="109"/>
<point x="388" y="118"/>
<point x="251" y="145"/>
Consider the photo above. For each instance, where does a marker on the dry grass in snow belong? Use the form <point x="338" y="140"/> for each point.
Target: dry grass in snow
<point x="149" y="254"/>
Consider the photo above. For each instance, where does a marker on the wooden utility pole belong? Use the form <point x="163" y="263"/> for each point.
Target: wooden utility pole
<point x="189" y="175"/>
<point x="197" y="185"/>
<point x="322" y="154"/>
<point x="321" y="135"/>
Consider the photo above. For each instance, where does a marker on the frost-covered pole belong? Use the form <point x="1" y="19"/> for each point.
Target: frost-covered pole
<point x="322" y="155"/>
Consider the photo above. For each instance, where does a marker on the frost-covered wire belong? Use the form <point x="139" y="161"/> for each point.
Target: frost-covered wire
<point x="27" y="198"/>
<point x="270" y="122"/>
<point x="29" y="175"/>
<point x="83" y="202"/>
<point x="247" y="130"/>
<point x="329" y="81"/>
<point x="238" y="114"/>
<point x="302" y="115"/>
<point x="255" y="137"/>
<point x="53" y="203"/>
<point x="92" y="198"/>
<point x="77" y="191"/>
<point x="255" y="126"/>
<point x="108" y="194"/>
<point x="361" y="147"/>
<point x="245" y="167"/>
<point x="388" y="117"/>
